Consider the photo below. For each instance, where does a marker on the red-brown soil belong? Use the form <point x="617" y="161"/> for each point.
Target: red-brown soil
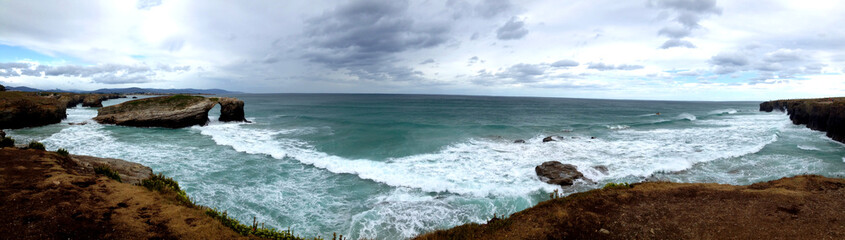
<point x="44" y="195"/>
<point x="802" y="207"/>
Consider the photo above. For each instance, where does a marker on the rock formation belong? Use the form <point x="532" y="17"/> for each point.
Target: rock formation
<point x="170" y="111"/>
<point x="554" y="172"/>
<point x="548" y="139"/>
<point x="231" y="109"/>
<point x="827" y="114"/>
<point x="96" y="100"/>
<point x="23" y="109"/>
<point x="129" y="172"/>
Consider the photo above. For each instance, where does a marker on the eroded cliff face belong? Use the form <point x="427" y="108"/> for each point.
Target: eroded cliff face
<point x="176" y="111"/>
<point x="23" y="109"/>
<point x="826" y="114"/>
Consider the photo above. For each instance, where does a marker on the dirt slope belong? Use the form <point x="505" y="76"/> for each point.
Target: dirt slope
<point x="803" y="207"/>
<point x="44" y="195"/>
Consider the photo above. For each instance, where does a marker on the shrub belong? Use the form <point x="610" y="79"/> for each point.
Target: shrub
<point x="36" y="145"/>
<point x="62" y="152"/>
<point x="108" y="172"/>
<point x="7" y="142"/>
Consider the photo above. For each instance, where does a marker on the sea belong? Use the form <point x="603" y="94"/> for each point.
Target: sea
<point x="395" y="166"/>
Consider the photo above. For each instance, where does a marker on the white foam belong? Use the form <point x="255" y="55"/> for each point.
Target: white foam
<point x="808" y="148"/>
<point x="617" y="127"/>
<point x="723" y="111"/>
<point x="483" y="167"/>
<point x="686" y="116"/>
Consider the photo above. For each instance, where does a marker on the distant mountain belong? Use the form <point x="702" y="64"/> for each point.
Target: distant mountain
<point x="23" y="89"/>
<point x="163" y="91"/>
<point x="133" y="90"/>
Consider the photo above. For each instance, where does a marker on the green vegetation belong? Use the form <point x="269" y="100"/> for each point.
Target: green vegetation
<point x="616" y="186"/>
<point x="108" y="172"/>
<point x="7" y="142"/>
<point x="62" y="152"/>
<point x="36" y="145"/>
<point x="177" y="101"/>
<point x="214" y="99"/>
<point x="254" y="230"/>
<point x="160" y="183"/>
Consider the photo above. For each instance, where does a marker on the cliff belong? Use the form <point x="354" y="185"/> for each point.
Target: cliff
<point x="23" y="109"/>
<point x="802" y="207"/>
<point x="170" y="111"/>
<point x="825" y="114"/>
<point x="46" y="195"/>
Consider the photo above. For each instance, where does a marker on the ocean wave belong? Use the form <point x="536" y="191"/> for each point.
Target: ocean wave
<point x="808" y="148"/>
<point x="687" y="116"/>
<point x="723" y="111"/>
<point x="484" y="167"/>
<point x="617" y="127"/>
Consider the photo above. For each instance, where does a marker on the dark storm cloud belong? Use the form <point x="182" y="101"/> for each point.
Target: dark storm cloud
<point x="364" y="37"/>
<point x="513" y="29"/>
<point x="687" y="15"/>
<point x="104" y="73"/>
<point x="608" y="67"/>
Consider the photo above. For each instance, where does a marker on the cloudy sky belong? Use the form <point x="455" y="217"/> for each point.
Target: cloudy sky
<point x="649" y="49"/>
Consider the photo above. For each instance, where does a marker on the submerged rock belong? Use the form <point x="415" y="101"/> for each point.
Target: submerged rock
<point x="548" y="139"/>
<point x="601" y="168"/>
<point x="554" y="172"/>
<point x="519" y="141"/>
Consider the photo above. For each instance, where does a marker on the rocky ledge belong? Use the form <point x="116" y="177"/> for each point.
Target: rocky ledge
<point x="170" y="111"/>
<point x="824" y="114"/>
<point x="802" y="207"/>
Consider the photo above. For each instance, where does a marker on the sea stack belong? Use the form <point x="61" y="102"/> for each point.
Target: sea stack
<point x="231" y="110"/>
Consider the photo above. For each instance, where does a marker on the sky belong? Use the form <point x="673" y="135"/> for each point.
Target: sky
<point x="638" y="49"/>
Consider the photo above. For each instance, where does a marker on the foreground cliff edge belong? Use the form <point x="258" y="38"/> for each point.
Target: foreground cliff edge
<point x="801" y="207"/>
<point x="176" y="111"/>
<point x="822" y="114"/>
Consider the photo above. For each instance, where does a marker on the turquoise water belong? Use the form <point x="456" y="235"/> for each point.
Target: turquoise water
<point x="394" y="166"/>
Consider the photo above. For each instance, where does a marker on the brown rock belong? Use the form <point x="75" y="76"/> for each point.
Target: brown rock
<point x="130" y="172"/>
<point x="554" y="172"/>
<point x="169" y="111"/>
<point x="548" y="139"/>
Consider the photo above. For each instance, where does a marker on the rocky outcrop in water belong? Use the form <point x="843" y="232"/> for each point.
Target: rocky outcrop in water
<point x="826" y="114"/>
<point x="170" y="111"/>
<point x="554" y="172"/>
<point x="96" y="100"/>
<point x="231" y="109"/>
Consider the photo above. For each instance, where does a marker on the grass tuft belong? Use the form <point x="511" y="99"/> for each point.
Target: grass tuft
<point x="107" y="171"/>
<point x="160" y="183"/>
<point x="63" y="152"/>
<point x="36" y="145"/>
